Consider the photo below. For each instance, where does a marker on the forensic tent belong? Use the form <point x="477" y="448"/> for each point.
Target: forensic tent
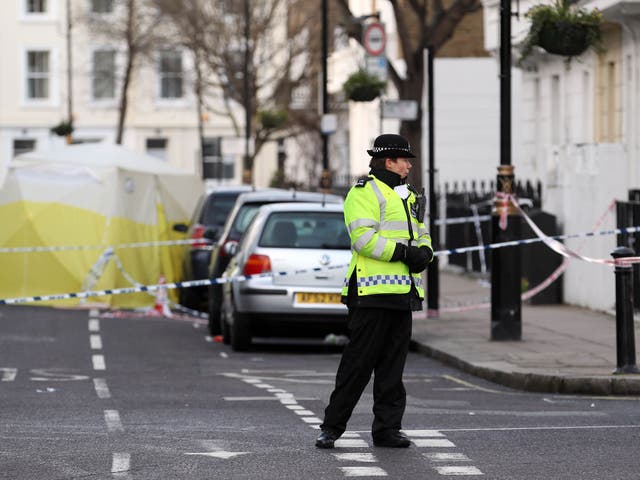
<point x="94" y="198"/>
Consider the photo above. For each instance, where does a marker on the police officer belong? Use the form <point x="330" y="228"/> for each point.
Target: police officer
<point x="390" y="249"/>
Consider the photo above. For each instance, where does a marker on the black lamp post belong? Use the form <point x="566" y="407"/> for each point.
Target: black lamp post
<point x="246" y="173"/>
<point x="506" y="323"/>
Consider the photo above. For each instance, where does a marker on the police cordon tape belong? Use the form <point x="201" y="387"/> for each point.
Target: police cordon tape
<point x="205" y="282"/>
<point x="159" y="243"/>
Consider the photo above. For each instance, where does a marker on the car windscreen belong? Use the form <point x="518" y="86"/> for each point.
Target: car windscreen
<point x="243" y="218"/>
<point x="305" y="230"/>
<point x="217" y="208"/>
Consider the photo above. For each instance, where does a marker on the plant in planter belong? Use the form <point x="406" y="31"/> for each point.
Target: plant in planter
<point x="63" y="129"/>
<point x="363" y="87"/>
<point x="562" y="30"/>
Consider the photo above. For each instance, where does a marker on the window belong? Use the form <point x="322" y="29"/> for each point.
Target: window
<point x="36" y="6"/>
<point x="101" y="6"/>
<point x="104" y="81"/>
<point x="214" y="165"/>
<point x="38" y="71"/>
<point x="170" y="74"/>
<point x="23" y="145"/>
<point x="157" y="147"/>
<point x="320" y="230"/>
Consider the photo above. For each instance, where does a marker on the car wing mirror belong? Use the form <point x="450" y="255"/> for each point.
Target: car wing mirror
<point x="180" y="227"/>
<point x="231" y="248"/>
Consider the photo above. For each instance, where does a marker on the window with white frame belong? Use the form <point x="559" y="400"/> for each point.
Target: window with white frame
<point x="38" y="74"/>
<point x="214" y="164"/>
<point x="36" y="6"/>
<point x="101" y="6"/>
<point x="104" y="77"/>
<point x="171" y="74"/>
<point x="157" y="147"/>
<point x="23" y="145"/>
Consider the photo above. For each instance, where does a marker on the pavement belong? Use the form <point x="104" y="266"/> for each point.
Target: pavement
<point x="563" y="349"/>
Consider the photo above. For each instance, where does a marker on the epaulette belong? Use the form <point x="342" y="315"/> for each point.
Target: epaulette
<point x="412" y="189"/>
<point x="362" y="181"/>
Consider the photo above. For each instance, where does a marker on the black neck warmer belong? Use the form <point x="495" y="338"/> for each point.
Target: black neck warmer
<point x="387" y="176"/>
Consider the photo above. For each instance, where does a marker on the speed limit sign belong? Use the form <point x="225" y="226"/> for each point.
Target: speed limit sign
<point x="374" y="39"/>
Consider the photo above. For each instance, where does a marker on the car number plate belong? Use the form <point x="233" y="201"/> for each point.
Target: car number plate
<point x="309" y="297"/>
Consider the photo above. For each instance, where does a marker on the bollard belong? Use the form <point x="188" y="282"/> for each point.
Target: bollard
<point x="625" y="334"/>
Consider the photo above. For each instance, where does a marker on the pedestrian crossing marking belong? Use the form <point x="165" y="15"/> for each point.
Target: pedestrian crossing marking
<point x="356" y="457"/>
<point x="423" y="433"/>
<point x="351" y="443"/>
<point x="363" y="472"/>
<point x="458" y="471"/>
<point x="433" y="442"/>
<point x="447" y="457"/>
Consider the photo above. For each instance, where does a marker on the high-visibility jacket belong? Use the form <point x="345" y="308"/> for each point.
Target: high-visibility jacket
<point x="377" y="218"/>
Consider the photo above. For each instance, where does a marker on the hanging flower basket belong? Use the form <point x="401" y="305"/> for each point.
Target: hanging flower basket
<point x="561" y="30"/>
<point x="363" y="87"/>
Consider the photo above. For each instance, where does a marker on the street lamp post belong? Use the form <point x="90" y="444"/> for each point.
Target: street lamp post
<point x="325" y="179"/>
<point x="246" y="171"/>
<point x="506" y="323"/>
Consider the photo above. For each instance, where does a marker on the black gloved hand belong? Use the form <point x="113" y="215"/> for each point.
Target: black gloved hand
<point x="417" y="258"/>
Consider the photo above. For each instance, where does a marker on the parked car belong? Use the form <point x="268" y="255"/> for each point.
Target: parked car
<point x="244" y="210"/>
<point x="206" y="225"/>
<point x="307" y="247"/>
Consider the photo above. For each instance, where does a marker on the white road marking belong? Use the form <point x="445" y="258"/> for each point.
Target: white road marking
<point x="95" y="341"/>
<point x="263" y="385"/>
<point x="54" y="375"/>
<point x="98" y="362"/>
<point x="112" y="419"/>
<point x="304" y="412"/>
<point x="351" y="443"/>
<point x="224" y="455"/>
<point x="102" y="389"/>
<point x="251" y="380"/>
<point x="94" y="312"/>
<point x="121" y="462"/>
<point x="423" y="433"/>
<point x="295" y="407"/>
<point x="284" y="395"/>
<point x="458" y="471"/>
<point x="311" y="420"/>
<point x="356" y="457"/>
<point x="8" y="374"/>
<point x="447" y="457"/>
<point x="224" y="355"/>
<point x="350" y="435"/>
<point x="363" y="472"/>
<point x="432" y="442"/>
<point x="288" y="401"/>
<point x="276" y="390"/>
<point x="476" y="387"/>
<point x="94" y="325"/>
<point x="506" y="429"/>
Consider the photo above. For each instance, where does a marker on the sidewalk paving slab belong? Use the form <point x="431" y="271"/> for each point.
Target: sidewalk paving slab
<point x="564" y="349"/>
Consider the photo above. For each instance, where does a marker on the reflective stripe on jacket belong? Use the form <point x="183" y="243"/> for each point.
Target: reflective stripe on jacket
<point x="377" y="218"/>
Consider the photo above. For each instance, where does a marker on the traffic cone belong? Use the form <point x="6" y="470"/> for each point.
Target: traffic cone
<point x="161" y="306"/>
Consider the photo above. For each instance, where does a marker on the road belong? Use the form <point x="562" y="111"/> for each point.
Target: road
<point x="85" y="397"/>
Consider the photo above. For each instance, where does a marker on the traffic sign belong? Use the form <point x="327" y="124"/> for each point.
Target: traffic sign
<point x="374" y="39"/>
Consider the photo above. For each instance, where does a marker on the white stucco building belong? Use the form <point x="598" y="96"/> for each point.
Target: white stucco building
<point x="580" y="136"/>
<point x="35" y="81"/>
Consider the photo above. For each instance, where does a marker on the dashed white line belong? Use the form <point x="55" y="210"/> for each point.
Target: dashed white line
<point x="304" y="412"/>
<point x="8" y="374"/>
<point x="224" y="355"/>
<point x="121" y="462"/>
<point x="95" y="341"/>
<point x="363" y="472"/>
<point x="351" y="443"/>
<point x="447" y="457"/>
<point x="295" y="407"/>
<point x="356" y="457"/>
<point x="112" y="419"/>
<point x="311" y="420"/>
<point x="100" y="384"/>
<point x="423" y="433"/>
<point x="98" y="362"/>
<point x="433" y="442"/>
<point x="458" y="470"/>
<point x="94" y="325"/>
<point x="94" y="312"/>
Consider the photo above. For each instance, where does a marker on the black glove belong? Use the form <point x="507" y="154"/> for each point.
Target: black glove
<point x="417" y="258"/>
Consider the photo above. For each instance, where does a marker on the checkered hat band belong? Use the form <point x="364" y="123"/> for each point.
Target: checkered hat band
<point x="384" y="149"/>
<point x="387" y="280"/>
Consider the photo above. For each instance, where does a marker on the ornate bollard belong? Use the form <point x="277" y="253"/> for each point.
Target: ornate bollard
<point x="625" y="333"/>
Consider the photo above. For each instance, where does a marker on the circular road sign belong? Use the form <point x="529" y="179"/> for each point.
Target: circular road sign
<point x="374" y="39"/>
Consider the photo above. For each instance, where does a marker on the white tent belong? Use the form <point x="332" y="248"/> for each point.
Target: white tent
<point x="91" y="195"/>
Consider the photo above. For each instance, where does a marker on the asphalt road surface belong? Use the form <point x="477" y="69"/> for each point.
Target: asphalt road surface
<point x="87" y="397"/>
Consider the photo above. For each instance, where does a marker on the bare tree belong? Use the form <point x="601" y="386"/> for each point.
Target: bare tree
<point x="422" y="24"/>
<point x="133" y="25"/>
<point x="254" y="59"/>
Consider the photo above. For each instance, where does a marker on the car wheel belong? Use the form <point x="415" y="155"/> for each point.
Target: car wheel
<point x="240" y="330"/>
<point x="224" y="325"/>
<point x="214" y="301"/>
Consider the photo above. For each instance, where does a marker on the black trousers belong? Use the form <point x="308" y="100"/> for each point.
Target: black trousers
<point x="379" y="343"/>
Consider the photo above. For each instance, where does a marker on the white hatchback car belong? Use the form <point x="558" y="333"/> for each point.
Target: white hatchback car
<point x="307" y="249"/>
